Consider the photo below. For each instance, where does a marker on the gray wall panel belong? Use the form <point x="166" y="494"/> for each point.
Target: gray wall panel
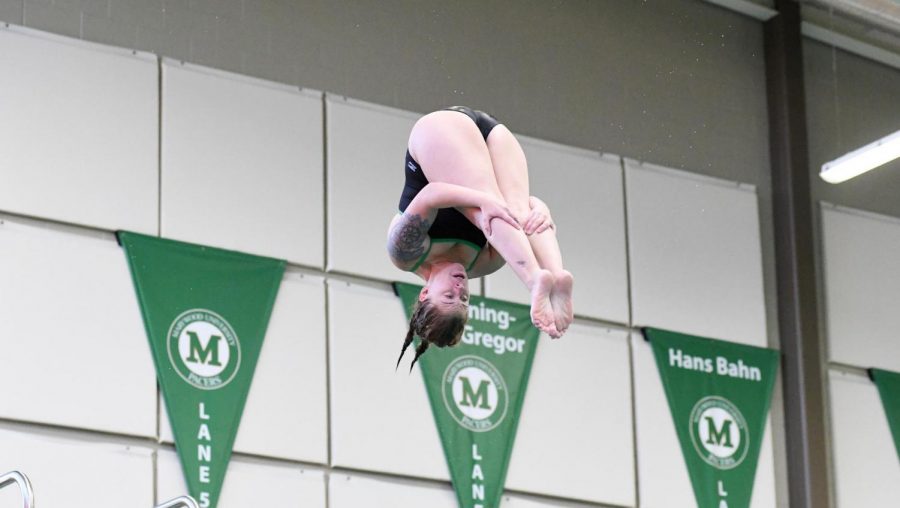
<point x="351" y="491"/>
<point x="590" y="454"/>
<point x="242" y="164"/>
<point x="72" y="347"/>
<point x="695" y="249"/>
<point x="380" y="418"/>
<point x="366" y="145"/>
<point x="861" y="269"/>
<point x="79" y="138"/>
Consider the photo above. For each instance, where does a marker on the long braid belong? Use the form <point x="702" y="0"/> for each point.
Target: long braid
<point x="417" y="322"/>
<point x="406" y="343"/>
<point x="419" y="350"/>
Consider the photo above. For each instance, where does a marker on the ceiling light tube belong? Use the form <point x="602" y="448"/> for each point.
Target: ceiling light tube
<point x="859" y="161"/>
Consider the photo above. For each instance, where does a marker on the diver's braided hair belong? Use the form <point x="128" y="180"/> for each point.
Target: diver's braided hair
<point x="409" y="338"/>
<point x="432" y="326"/>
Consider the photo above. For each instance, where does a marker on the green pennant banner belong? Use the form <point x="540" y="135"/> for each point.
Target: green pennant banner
<point x="888" y="384"/>
<point x="476" y="391"/>
<point x="719" y="394"/>
<point x="205" y="311"/>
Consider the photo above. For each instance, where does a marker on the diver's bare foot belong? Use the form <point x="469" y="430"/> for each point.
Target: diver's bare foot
<point x="561" y="299"/>
<point x="541" y="308"/>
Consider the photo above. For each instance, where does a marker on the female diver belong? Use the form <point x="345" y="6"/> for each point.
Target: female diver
<point x="465" y="211"/>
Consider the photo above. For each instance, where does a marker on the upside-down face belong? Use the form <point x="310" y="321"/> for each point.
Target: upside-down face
<point x="447" y="289"/>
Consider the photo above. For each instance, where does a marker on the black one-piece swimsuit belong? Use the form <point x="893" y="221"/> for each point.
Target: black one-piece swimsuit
<point x="450" y="225"/>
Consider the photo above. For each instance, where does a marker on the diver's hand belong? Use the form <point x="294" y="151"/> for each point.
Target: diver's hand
<point x="493" y="208"/>
<point x="539" y="219"/>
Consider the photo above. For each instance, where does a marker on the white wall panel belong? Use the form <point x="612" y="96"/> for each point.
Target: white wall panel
<point x="287" y="408"/>
<point x="72" y="337"/>
<point x="355" y="491"/>
<point x="862" y="270"/>
<point x="523" y="501"/>
<point x="866" y="470"/>
<point x="77" y="472"/>
<point x="242" y="164"/>
<point x="575" y="433"/>
<point x="380" y="419"/>
<point x="286" y="415"/>
<point x="584" y="193"/>
<point x="249" y="483"/>
<point x="79" y="136"/>
<point x="366" y="148"/>
<point x="696" y="262"/>
<point x="664" y="481"/>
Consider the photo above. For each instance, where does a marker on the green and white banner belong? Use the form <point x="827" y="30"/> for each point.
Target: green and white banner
<point x="205" y="311"/>
<point x="719" y="394"/>
<point x="888" y="384"/>
<point x="476" y="391"/>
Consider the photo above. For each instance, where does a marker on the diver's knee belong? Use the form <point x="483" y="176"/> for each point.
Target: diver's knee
<point x="519" y="212"/>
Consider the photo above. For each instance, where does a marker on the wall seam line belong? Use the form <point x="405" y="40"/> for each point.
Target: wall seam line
<point x="326" y="294"/>
<point x="634" y="441"/>
<point x="159" y="150"/>
<point x="159" y="129"/>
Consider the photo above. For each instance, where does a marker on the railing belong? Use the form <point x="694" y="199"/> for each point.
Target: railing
<point x="15" y="477"/>
<point x="24" y="486"/>
<point x="179" y="502"/>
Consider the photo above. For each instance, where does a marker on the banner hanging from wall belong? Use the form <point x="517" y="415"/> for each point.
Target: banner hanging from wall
<point x="888" y="384"/>
<point x="205" y="312"/>
<point x="719" y="394"/>
<point x="476" y="390"/>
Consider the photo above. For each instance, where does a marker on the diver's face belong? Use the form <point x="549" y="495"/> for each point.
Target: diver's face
<point x="448" y="288"/>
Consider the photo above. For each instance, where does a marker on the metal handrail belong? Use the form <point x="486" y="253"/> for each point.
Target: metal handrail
<point x="179" y="502"/>
<point x="24" y="486"/>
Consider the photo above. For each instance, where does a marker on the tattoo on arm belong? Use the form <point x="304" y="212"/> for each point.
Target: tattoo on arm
<point x="407" y="241"/>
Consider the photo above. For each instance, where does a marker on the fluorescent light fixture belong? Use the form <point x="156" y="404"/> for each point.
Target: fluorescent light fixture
<point x="859" y="161"/>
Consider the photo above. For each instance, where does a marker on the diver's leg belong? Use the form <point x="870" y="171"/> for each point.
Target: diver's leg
<point x="511" y="172"/>
<point x="449" y="148"/>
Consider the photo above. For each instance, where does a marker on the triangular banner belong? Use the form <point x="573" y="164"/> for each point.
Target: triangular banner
<point x="719" y="394"/>
<point x="476" y="391"/>
<point x="205" y="311"/>
<point x="888" y="384"/>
